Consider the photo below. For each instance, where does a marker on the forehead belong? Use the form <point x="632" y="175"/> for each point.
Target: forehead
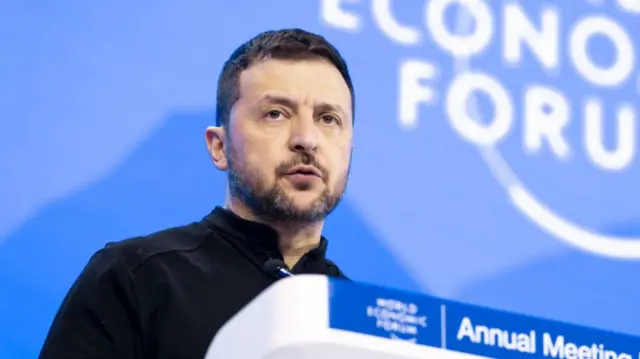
<point x="308" y="81"/>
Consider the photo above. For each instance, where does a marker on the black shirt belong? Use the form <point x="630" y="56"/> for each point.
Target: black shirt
<point x="167" y="294"/>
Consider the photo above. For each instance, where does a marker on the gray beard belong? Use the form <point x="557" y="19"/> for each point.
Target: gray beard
<point x="273" y="204"/>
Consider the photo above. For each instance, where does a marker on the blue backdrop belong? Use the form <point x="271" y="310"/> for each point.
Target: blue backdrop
<point x="495" y="159"/>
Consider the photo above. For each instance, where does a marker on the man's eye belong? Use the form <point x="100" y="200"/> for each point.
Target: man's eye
<point x="274" y="114"/>
<point x="330" y="120"/>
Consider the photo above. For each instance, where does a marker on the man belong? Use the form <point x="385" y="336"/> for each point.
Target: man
<point x="284" y="135"/>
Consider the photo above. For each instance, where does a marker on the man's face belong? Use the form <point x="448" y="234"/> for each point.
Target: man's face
<point x="289" y="139"/>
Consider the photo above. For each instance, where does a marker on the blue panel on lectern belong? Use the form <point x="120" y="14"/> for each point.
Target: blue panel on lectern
<point x="470" y="329"/>
<point x="499" y="334"/>
<point x="384" y="312"/>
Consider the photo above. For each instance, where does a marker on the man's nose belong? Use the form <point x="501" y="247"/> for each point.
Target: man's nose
<point x="304" y="136"/>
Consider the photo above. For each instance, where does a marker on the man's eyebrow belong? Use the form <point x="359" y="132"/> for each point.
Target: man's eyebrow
<point x="278" y="100"/>
<point x="328" y="107"/>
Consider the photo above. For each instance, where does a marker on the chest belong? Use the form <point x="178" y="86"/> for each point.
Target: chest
<point x="192" y="308"/>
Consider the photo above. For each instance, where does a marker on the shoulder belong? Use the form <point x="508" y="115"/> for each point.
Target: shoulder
<point x="335" y="271"/>
<point x="133" y="253"/>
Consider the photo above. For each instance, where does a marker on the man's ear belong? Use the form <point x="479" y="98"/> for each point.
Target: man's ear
<point x="216" y="137"/>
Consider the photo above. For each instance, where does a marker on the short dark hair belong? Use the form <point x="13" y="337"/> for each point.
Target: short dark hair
<point x="281" y="44"/>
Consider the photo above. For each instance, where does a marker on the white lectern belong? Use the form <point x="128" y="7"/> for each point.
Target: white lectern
<point x="315" y="317"/>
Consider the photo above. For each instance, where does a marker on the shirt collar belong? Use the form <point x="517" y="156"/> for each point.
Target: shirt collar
<point x="257" y="237"/>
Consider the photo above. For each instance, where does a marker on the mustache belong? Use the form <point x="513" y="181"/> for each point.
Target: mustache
<point x="301" y="159"/>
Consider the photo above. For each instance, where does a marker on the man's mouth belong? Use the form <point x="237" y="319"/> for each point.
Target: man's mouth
<point x="303" y="171"/>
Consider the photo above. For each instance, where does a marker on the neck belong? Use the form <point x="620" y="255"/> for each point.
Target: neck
<point x="294" y="239"/>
